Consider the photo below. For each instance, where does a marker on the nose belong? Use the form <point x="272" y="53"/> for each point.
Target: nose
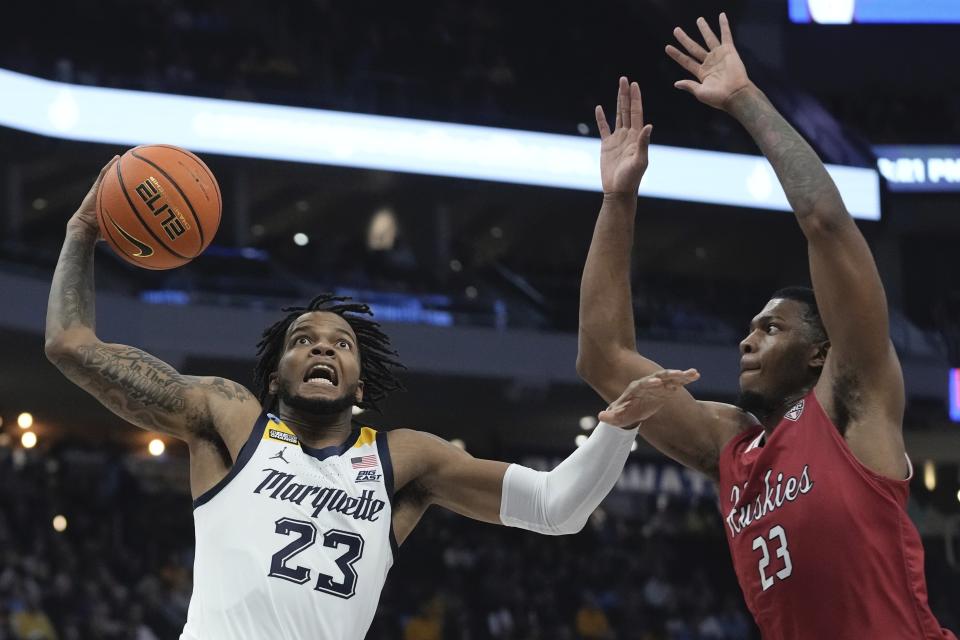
<point x="746" y="346"/>
<point x="321" y="348"/>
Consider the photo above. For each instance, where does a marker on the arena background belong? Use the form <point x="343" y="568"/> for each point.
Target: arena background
<point x="476" y="281"/>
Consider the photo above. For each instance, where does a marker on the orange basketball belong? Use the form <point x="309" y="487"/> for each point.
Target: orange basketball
<point x="158" y="206"/>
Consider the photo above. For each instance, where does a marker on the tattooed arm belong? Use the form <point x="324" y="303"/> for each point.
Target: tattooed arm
<point x="133" y="384"/>
<point x="861" y="385"/>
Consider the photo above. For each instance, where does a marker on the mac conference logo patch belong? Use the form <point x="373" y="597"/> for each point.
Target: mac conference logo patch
<point x="795" y="412"/>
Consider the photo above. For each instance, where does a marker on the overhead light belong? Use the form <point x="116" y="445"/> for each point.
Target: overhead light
<point x="456" y="266"/>
<point x="25" y="420"/>
<point x="156" y="447"/>
<point x="59" y="523"/>
<point x="582" y="128"/>
<point x="958" y="496"/>
<point x="496" y="232"/>
<point x="459" y="444"/>
<point x="303" y="206"/>
<point x="28" y="440"/>
<point x="356" y="410"/>
<point x="471" y="292"/>
<point x="929" y="475"/>
<point x="580" y="439"/>
<point x="633" y="446"/>
<point x="382" y="232"/>
<point x="301" y="239"/>
<point x="588" y="422"/>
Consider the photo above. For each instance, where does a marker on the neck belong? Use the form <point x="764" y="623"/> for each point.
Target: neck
<point x="773" y="417"/>
<point x="317" y="430"/>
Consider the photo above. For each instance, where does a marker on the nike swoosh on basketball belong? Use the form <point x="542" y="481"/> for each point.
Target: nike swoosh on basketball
<point x="144" y="250"/>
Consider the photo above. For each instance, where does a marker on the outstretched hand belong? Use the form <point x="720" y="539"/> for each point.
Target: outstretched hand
<point x="718" y="69"/>
<point x="644" y="397"/>
<point x="623" y="152"/>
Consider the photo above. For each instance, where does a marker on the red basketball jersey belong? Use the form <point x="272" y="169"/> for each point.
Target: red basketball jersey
<point x="822" y="546"/>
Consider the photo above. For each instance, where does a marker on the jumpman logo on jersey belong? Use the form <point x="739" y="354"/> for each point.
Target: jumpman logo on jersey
<point x="279" y="455"/>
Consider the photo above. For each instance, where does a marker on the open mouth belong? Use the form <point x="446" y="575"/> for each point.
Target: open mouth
<point x="322" y="375"/>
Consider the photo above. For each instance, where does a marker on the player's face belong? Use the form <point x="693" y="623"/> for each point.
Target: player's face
<point x="777" y="357"/>
<point x="319" y="370"/>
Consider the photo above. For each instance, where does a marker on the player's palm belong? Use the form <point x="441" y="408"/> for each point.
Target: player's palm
<point x="623" y="152"/>
<point x="721" y="75"/>
<point x="623" y="160"/>
<point x="718" y="69"/>
<point x="644" y="397"/>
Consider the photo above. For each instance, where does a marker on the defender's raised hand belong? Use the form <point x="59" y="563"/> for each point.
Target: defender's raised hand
<point x="642" y="398"/>
<point x="719" y="72"/>
<point x="623" y="153"/>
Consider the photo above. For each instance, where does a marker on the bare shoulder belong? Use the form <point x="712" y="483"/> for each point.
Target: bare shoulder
<point x="417" y="453"/>
<point x="729" y="420"/>
<point x="725" y="422"/>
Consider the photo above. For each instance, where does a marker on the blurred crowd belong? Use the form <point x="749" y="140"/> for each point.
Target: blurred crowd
<point x="121" y="570"/>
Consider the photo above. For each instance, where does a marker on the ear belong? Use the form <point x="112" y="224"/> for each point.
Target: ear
<point x="273" y="386"/>
<point x="358" y="396"/>
<point x="819" y="357"/>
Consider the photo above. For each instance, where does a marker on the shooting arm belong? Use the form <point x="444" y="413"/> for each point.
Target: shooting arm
<point x="133" y="384"/>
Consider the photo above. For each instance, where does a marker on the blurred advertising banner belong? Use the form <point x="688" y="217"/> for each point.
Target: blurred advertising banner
<point x="875" y="11"/>
<point x="919" y="167"/>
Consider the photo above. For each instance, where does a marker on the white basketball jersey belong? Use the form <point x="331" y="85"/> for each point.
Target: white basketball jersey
<point x="294" y="542"/>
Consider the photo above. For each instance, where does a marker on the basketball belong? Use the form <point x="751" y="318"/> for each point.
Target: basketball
<point x="159" y="206"/>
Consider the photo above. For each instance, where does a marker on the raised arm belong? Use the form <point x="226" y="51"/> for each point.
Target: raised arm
<point x="861" y="381"/>
<point x="689" y="431"/>
<point x="550" y="502"/>
<point x="133" y="384"/>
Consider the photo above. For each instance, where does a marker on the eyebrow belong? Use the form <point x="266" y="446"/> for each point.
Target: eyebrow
<point x="305" y="328"/>
<point x="764" y="319"/>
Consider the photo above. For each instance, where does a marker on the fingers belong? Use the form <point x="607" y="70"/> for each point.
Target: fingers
<point x="106" y="168"/>
<point x="618" y="121"/>
<point x="687" y="85"/>
<point x="673" y="377"/>
<point x="636" y="105"/>
<point x="103" y="172"/>
<point x="691" y="45"/>
<point x="613" y="415"/>
<point x="725" y="36"/>
<point x="684" y="60"/>
<point x="708" y="35"/>
<point x="607" y="416"/>
<point x="623" y="101"/>
<point x="645" y="134"/>
<point x="602" y="124"/>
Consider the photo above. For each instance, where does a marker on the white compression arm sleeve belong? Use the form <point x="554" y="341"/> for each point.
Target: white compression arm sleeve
<point x="560" y="501"/>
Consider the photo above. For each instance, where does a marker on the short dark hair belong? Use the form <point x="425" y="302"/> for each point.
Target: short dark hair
<point x="811" y="313"/>
<point x="377" y="359"/>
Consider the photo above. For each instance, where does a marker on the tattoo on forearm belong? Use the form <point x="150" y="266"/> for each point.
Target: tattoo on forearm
<point x="805" y="180"/>
<point x="71" y="294"/>
<point x="132" y="383"/>
<point x="78" y="286"/>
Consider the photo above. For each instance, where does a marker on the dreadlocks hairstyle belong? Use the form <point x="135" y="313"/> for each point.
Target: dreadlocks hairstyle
<point x="377" y="359"/>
